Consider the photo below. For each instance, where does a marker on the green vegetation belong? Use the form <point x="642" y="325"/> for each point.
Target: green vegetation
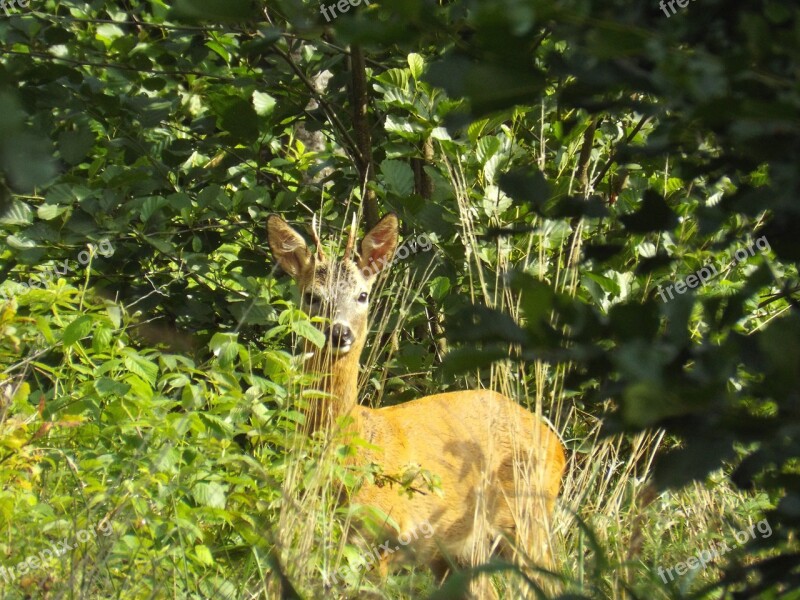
<point x="567" y="159"/>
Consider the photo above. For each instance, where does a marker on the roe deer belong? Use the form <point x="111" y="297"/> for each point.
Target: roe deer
<point x="492" y="456"/>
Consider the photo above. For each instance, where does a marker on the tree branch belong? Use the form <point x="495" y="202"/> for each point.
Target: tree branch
<point x="360" y="100"/>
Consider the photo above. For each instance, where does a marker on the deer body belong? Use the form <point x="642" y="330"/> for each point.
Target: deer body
<point x="471" y="440"/>
<point x="490" y="454"/>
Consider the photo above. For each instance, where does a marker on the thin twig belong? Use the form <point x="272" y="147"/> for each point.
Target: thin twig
<point x="52" y="17"/>
<point x="351" y="145"/>
<point x="642" y="122"/>
<point x="103" y="65"/>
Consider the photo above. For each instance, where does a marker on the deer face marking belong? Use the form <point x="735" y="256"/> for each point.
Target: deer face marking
<point x="340" y="294"/>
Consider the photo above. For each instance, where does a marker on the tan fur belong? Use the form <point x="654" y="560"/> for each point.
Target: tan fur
<point x="492" y="456"/>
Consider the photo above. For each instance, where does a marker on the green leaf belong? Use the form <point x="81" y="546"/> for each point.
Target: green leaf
<point x="220" y="589"/>
<point x="154" y="84"/>
<point x="151" y="206"/>
<point x="495" y="202"/>
<point x="220" y="50"/>
<point x="398" y="176"/>
<point x="210" y="494"/>
<point x="527" y="186"/>
<point x="19" y="213"/>
<point x="161" y="245"/>
<point x="13" y="115"/>
<point x="60" y="194"/>
<point x="607" y="284"/>
<point x="140" y="366"/>
<point x="102" y="338"/>
<point x="108" y="32"/>
<point x="203" y="555"/>
<point x="440" y="286"/>
<point x="167" y="459"/>
<point x="217" y="424"/>
<point x="487" y="147"/>
<point x="417" y="65"/>
<point x="394" y="77"/>
<point x="238" y="117"/>
<point x="20" y="242"/>
<point x="27" y="161"/>
<point x="225" y="347"/>
<point x="75" y="145"/>
<point x="306" y="330"/>
<point x="653" y="215"/>
<point x="106" y="386"/>
<point x="43" y="326"/>
<point x="76" y="330"/>
<point x="263" y="103"/>
<point x="48" y="212"/>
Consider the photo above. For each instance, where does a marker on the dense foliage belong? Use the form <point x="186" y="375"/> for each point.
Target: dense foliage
<point x="577" y="165"/>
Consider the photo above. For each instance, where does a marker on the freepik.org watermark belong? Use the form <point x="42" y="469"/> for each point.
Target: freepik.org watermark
<point x="6" y="4"/>
<point x="35" y="562"/>
<point x="371" y="558"/>
<point x="84" y="256"/>
<point x="706" y="556"/>
<point x="705" y="274"/>
<point x="421" y="243"/>
<point x="671" y="3"/>
<point x="342" y="5"/>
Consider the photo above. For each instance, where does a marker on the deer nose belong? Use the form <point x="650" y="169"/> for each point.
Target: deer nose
<point x="340" y="335"/>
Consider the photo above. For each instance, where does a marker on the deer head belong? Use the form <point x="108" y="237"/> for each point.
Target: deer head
<point x="336" y="289"/>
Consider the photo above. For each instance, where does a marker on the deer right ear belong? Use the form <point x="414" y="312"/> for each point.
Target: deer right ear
<point x="288" y="246"/>
<point x="378" y="246"/>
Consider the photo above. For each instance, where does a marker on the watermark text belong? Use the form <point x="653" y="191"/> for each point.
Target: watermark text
<point x="708" y="272"/>
<point x="35" y="562"/>
<point x="706" y="556"/>
<point x="372" y="557"/>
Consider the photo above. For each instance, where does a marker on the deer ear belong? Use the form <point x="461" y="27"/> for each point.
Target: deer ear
<point x="378" y="246"/>
<point x="288" y="246"/>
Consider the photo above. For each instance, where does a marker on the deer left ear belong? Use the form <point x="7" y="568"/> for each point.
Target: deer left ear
<point x="378" y="246"/>
<point x="288" y="247"/>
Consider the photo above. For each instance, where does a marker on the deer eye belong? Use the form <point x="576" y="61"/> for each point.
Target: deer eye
<point x="311" y="299"/>
<point x="362" y="297"/>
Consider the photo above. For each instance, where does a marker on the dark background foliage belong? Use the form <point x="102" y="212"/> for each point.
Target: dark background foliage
<point x="661" y="144"/>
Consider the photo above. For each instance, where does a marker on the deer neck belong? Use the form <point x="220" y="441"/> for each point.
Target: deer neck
<point x="340" y="384"/>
